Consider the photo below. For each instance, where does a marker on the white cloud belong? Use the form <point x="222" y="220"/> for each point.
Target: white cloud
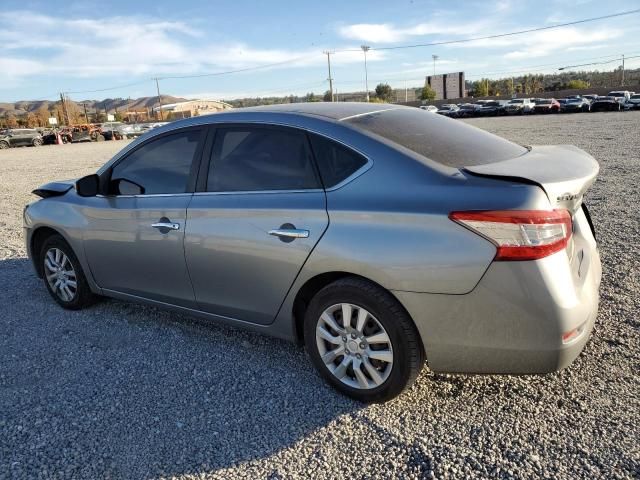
<point x="131" y="48"/>
<point x="389" y="33"/>
<point x="542" y="44"/>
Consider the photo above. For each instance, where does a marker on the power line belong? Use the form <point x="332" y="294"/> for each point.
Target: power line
<point x="111" y="88"/>
<point x="500" y="35"/>
<point x="239" y="70"/>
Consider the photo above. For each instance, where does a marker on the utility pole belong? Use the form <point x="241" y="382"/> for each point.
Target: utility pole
<point x="86" y="117"/>
<point x="330" y="78"/>
<point x="65" y="113"/>
<point x="622" y="69"/>
<point x="365" y="49"/>
<point x="435" y="57"/>
<point x="406" y="92"/>
<point x="159" y="99"/>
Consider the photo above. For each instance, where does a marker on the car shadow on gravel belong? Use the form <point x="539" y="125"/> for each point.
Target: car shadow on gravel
<point x="122" y="390"/>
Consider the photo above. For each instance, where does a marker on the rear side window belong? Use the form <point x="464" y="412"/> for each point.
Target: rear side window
<point x="162" y="165"/>
<point x="251" y="158"/>
<point x="335" y="162"/>
<point x="449" y="142"/>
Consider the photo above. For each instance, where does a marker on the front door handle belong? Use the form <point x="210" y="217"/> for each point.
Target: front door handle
<point x="289" y="233"/>
<point x="166" y="226"/>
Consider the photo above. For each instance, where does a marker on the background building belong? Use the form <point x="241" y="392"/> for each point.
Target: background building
<point x="193" y="108"/>
<point x="448" y="85"/>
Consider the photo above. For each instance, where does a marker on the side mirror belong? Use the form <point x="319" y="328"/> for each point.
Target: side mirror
<point x="88" y="186"/>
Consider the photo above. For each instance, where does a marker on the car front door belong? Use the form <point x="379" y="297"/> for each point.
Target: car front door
<point x="134" y="240"/>
<point x="259" y="211"/>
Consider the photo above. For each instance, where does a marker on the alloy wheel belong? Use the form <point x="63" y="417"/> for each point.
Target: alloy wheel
<point x="354" y="346"/>
<point x="60" y="274"/>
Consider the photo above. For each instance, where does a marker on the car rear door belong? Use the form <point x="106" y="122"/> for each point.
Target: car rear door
<point x="258" y="213"/>
<point x="134" y="240"/>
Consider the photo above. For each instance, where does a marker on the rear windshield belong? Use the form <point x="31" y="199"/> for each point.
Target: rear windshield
<point x="449" y="142"/>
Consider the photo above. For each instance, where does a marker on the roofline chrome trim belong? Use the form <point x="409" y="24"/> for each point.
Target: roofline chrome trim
<point x="368" y="113"/>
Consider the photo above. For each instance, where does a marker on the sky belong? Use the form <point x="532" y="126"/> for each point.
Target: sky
<point x="48" y="47"/>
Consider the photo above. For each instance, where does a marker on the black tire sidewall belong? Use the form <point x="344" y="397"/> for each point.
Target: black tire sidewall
<point x="83" y="296"/>
<point x="400" y="374"/>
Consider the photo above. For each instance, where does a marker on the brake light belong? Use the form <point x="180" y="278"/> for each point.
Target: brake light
<point x="520" y="234"/>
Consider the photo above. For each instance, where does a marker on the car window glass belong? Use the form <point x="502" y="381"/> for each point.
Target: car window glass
<point x="335" y="162"/>
<point x="160" y="166"/>
<point x="257" y="159"/>
<point x="454" y="144"/>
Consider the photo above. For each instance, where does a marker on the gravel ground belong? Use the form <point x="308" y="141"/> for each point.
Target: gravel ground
<point x="125" y="391"/>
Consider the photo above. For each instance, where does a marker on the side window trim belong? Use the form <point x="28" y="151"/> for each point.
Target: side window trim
<point x="207" y="159"/>
<point x="105" y="177"/>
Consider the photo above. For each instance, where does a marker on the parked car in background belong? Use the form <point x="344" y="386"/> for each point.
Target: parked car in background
<point x="111" y="130"/>
<point x="376" y="235"/>
<point x="519" y="106"/>
<point x="633" y="103"/>
<point x="465" y="110"/>
<point x="621" y="95"/>
<point x="492" y="108"/>
<point x="546" y="105"/>
<point x="606" y="103"/>
<point x="429" y="108"/>
<point x="20" y="137"/>
<point x="575" y="104"/>
<point x="448" y="109"/>
<point x="590" y="96"/>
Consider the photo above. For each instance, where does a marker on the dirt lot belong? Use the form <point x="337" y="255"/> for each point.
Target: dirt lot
<point x="125" y="391"/>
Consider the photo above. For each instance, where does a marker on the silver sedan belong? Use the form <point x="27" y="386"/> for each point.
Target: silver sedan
<point x="378" y="236"/>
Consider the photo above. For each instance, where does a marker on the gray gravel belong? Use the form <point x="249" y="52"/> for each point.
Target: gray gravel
<point x="125" y="391"/>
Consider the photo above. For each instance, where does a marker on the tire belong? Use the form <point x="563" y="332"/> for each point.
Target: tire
<point x="386" y="315"/>
<point x="37" y="142"/>
<point x="4" y="145"/>
<point x="82" y="295"/>
<point x="100" y="138"/>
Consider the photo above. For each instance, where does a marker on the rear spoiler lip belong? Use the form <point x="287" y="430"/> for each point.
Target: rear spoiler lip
<point x="565" y="164"/>
<point x="54" y="189"/>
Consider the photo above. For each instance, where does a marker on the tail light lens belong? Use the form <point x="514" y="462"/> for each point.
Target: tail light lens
<point x="520" y="234"/>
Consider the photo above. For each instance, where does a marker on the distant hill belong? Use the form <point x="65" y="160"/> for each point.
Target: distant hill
<point x="111" y="105"/>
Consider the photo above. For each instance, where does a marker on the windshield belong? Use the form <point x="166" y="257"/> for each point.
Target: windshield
<point x="543" y="102"/>
<point x="516" y="101"/>
<point x="616" y="94"/>
<point x="635" y="97"/>
<point x="438" y="138"/>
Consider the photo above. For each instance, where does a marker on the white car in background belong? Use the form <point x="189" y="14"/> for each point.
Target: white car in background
<point x="429" y="108"/>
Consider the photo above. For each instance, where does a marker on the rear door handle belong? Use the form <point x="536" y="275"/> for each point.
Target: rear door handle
<point x="289" y="233"/>
<point x="166" y="225"/>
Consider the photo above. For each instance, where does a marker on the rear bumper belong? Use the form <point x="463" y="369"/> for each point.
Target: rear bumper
<point x="513" y="321"/>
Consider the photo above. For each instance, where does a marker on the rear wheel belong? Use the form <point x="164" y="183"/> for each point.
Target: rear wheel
<point x="362" y="341"/>
<point x="63" y="275"/>
<point x="37" y="142"/>
<point x="4" y="145"/>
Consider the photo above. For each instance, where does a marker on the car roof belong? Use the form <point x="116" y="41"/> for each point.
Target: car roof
<point x="333" y="110"/>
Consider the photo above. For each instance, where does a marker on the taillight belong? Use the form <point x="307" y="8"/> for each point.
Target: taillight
<point x="520" y="234"/>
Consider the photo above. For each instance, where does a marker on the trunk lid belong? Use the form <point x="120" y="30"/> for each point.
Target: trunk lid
<point x="564" y="172"/>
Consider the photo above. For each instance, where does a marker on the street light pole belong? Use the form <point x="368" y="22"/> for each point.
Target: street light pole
<point x="435" y="57"/>
<point x="622" y="69"/>
<point x="365" y="49"/>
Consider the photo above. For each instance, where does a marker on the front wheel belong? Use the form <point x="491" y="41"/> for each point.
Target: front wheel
<point x="4" y="145"/>
<point x="63" y="276"/>
<point x="37" y="142"/>
<point x="362" y="341"/>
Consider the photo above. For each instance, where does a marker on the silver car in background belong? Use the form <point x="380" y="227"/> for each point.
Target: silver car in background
<point x="379" y="236"/>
